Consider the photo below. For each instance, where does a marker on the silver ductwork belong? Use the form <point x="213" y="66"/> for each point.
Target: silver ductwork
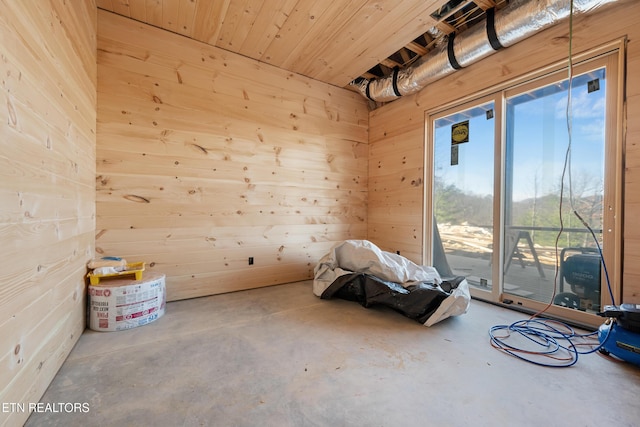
<point x="506" y="27"/>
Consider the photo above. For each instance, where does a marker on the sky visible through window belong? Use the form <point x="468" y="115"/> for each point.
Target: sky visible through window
<point x="537" y="140"/>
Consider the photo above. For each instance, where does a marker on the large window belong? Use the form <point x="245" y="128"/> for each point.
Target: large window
<point x="525" y="191"/>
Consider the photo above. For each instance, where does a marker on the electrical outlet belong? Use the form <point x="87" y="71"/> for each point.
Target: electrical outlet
<point x="250" y="260"/>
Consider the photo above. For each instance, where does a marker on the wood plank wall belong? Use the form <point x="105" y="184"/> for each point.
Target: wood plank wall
<point x="47" y="191"/>
<point x="206" y="158"/>
<point x="396" y="132"/>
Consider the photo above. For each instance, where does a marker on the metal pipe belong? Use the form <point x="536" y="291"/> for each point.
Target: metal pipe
<point x="506" y="27"/>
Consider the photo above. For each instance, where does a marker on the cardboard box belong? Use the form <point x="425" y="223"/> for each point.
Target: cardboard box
<point x="118" y="304"/>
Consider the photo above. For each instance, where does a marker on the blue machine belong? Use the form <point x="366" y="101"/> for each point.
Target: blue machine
<point x="620" y="333"/>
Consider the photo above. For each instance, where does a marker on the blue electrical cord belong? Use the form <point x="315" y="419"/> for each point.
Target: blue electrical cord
<point x="547" y="341"/>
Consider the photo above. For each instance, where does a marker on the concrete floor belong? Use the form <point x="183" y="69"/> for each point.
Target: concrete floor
<point x="279" y="356"/>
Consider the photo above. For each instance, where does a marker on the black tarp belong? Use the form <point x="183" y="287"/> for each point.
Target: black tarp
<point x="417" y="301"/>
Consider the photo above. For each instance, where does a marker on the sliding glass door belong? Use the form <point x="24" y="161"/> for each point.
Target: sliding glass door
<point x="463" y="182"/>
<point x="549" y="178"/>
<point x="525" y="191"/>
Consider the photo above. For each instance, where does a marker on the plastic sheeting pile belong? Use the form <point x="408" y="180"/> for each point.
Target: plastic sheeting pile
<point x="357" y="270"/>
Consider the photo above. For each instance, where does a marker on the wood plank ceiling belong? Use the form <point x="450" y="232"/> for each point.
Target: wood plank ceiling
<point x="331" y="41"/>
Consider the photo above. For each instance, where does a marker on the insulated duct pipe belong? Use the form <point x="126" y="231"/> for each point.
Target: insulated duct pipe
<point x="518" y="21"/>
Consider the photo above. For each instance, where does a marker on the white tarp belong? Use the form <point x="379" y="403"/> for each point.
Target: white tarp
<point x="362" y="256"/>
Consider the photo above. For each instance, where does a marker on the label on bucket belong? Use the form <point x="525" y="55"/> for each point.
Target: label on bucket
<point x="124" y="304"/>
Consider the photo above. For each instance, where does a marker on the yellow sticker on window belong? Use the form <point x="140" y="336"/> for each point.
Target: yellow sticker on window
<point x="460" y="132"/>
